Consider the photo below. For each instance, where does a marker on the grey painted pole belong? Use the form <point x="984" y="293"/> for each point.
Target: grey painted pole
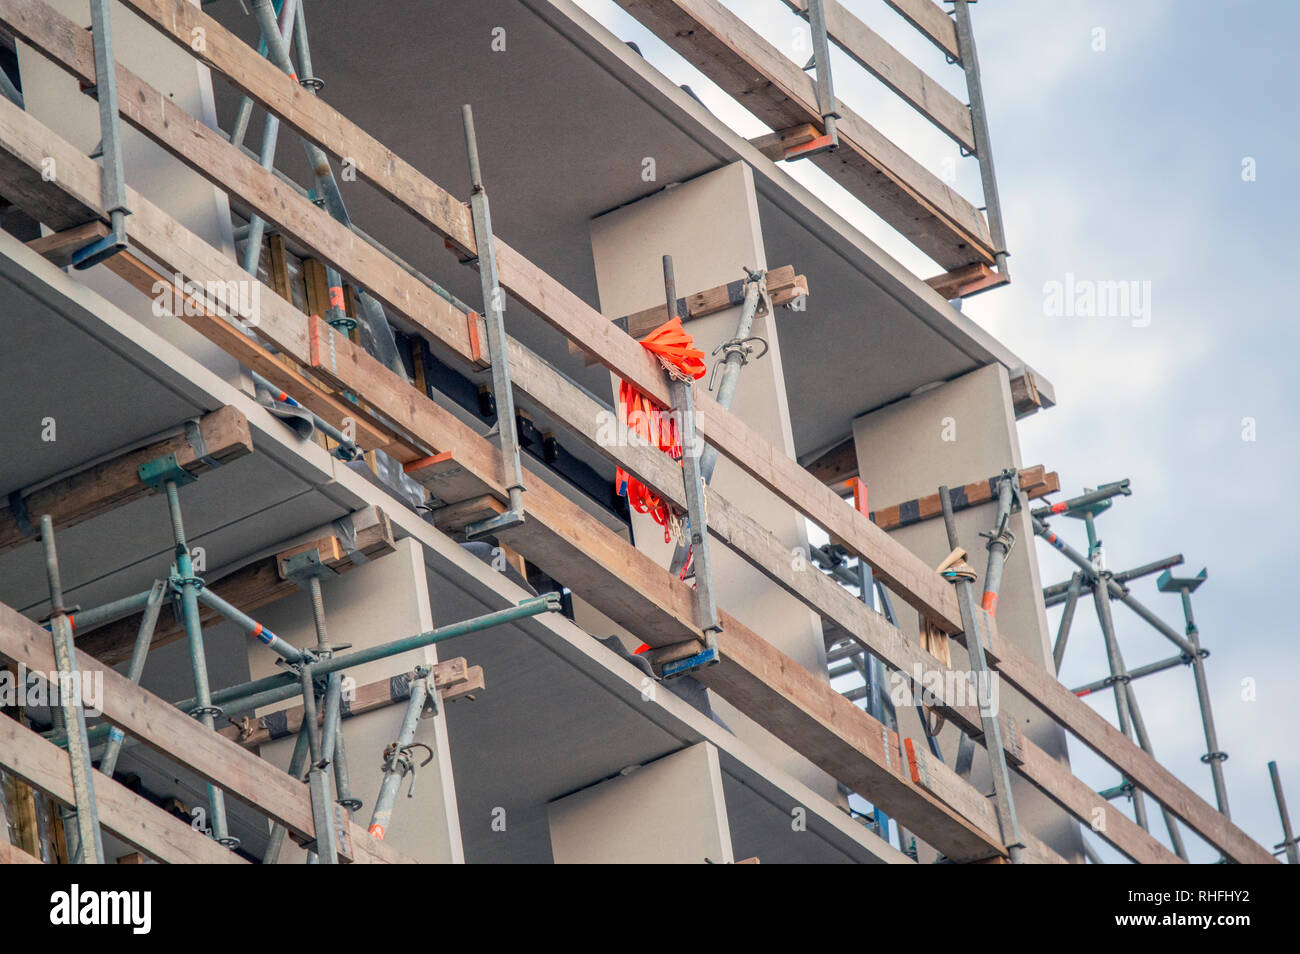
<point x="203" y="709"/>
<point x="1213" y="754"/>
<point x="1006" y="806"/>
<point x="139" y="653"/>
<point x="1288" y="839"/>
<point x="1067" y="619"/>
<point x="736" y="358"/>
<point x="1117" y="676"/>
<point x="90" y="842"/>
<point x="397" y="761"/>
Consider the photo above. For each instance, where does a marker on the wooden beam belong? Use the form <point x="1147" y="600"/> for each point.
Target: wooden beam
<point x="116" y="482"/>
<point x="961" y="282"/>
<point x="870" y="50"/>
<point x="167" y="730"/>
<point x="837" y="465"/>
<point x="929" y="213"/>
<point x="135" y="820"/>
<point x="933" y="21"/>
<point x="247" y="588"/>
<point x="1025" y="398"/>
<point x="1034" y="481"/>
<point x="777" y="146"/>
<point x="58" y="247"/>
<point x="783" y="285"/>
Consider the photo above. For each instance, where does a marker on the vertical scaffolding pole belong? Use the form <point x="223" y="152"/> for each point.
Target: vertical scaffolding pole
<point x="1288" y="839"/>
<point x="493" y="311"/>
<point x="970" y="64"/>
<point x="1119" y="679"/>
<point x="706" y="610"/>
<point x="1213" y="756"/>
<point x="203" y="710"/>
<point x="113" y="178"/>
<point x="1006" y="806"/>
<point x="90" y="841"/>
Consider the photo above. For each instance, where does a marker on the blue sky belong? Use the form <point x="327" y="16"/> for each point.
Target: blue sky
<point x="1120" y="158"/>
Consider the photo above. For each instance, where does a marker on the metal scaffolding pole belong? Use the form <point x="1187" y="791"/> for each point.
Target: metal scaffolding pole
<point x="1288" y="840"/>
<point x="1214" y="756"/>
<point x="962" y="575"/>
<point x="203" y="710"/>
<point x="398" y="760"/>
<point x="90" y="844"/>
<point x="139" y="653"/>
<point x="494" y="320"/>
<point x="1067" y="619"/>
<point x="376" y="334"/>
<point x="1117" y="676"/>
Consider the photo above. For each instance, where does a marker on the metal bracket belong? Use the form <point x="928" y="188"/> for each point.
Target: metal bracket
<point x="113" y="181"/>
<point x="303" y="566"/>
<point x="157" y="472"/>
<point x="826" y="103"/>
<point x="709" y="657"/>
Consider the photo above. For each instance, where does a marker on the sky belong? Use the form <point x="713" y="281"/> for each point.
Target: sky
<point x="1152" y="143"/>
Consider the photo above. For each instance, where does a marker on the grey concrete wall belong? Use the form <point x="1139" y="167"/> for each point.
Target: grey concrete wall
<point x="955" y="434"/>
<point x="670" y="811"/>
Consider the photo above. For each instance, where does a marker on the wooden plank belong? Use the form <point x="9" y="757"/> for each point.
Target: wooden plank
<point x="968" y="280"/>
<point x="915" y="583"/>
<point x="1042" y="689"/>
<point x="279" y="261"/>
<point x="783" y="285"/>
<point x="166" y="729"/>
<point x="1033" y="481"/>
<point x="283" y="374"/>
<point x="454" y="518"/>
<point x="58" y="247"/>
<point x="931" y="19"/>
<point x="835" y="466"/>
<point x="933" y="216"/>
<point x="247" y="588"/>
<point x="1025" y="398"/>
<point x="777" y="145"/>
<point x="133" y="819"/>
<point x="115" y="483"/>
<point x="837" y="736"/>
<point x="1055" y="780"/>
<point x="870" y="50"/>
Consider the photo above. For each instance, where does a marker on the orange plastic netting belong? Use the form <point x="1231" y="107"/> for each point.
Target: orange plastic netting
<point x="655" y="424"/>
